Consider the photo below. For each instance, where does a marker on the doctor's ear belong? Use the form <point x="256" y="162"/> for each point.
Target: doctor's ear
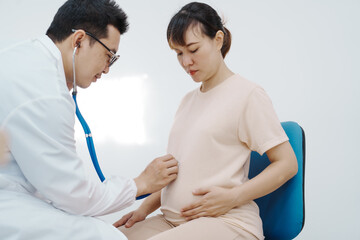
<point x="78" y="36"/>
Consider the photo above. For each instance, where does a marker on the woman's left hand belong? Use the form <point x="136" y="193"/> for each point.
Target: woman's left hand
<point x="214" y="201"/>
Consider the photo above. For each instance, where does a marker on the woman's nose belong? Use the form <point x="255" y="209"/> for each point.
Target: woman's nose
<point x="187" y="60"/>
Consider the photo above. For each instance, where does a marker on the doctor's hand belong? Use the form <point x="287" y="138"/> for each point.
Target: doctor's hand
<point x="159" y="173"/>
<point x="213" y="202"/>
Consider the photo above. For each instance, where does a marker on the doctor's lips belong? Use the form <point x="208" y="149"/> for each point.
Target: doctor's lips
<point x="97" y="76"/>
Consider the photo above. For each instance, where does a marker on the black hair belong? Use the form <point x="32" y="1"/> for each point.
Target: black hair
<point x="90" y="15"/>
<point x="197" y="13"/>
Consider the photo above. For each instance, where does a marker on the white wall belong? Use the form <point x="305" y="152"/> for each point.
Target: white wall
<point x="304" y="53"/>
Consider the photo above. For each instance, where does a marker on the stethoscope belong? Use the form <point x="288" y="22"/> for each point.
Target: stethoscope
<point x="88" y="135"/>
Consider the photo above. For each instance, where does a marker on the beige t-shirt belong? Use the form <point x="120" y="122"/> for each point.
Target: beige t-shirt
<point x="212" y="138"/>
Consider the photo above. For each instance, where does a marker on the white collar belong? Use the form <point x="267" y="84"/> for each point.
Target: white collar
<point x="50" y="45"/>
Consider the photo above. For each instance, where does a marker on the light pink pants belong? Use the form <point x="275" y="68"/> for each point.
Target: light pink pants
<point x="157" y="228"/>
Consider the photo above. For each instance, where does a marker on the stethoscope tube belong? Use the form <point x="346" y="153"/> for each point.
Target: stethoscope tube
<point x="88" y="135"/>
<point x="89" y="141"/>
<point x="85" y="126"/>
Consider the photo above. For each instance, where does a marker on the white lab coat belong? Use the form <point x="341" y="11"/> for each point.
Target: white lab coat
<point x="45" y="192"/>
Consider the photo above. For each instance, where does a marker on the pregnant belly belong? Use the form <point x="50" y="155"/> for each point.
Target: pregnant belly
<point x="174" y="197"/>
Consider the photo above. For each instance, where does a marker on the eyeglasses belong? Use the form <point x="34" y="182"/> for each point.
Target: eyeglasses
<point x="113" y="57"/>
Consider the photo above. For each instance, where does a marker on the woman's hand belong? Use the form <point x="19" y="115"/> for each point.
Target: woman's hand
<point x="214" y="201"/>
<point x="149" y="205"/>
<point x="130" y="219"/>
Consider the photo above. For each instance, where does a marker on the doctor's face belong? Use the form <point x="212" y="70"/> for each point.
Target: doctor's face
<point x="95" y="59"/>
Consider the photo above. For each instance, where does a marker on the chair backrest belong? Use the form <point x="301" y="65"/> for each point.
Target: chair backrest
<point x="283" y="211"/>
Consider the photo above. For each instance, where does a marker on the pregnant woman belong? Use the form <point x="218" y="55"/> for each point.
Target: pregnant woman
<point x="215" y="129"/>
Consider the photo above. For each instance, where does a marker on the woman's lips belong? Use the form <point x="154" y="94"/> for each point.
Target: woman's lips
<point x="192" y="72"/>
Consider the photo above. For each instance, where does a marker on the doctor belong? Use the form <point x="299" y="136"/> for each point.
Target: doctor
<point x="45" y="192"/>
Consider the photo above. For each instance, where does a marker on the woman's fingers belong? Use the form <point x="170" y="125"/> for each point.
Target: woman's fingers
<point x="123" y="220"/>
<point x="197" y="215"/>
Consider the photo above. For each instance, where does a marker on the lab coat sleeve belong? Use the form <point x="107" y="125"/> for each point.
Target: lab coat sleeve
<point x="42" y="142"/>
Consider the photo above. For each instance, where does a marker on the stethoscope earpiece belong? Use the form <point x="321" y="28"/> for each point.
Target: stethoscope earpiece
<point x="74" y="78"/>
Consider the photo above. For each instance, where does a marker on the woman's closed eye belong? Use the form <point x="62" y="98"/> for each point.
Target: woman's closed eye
<point x="178" y="53"/>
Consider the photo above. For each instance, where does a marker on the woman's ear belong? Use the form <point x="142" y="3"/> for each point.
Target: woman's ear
<point x="219" y="39"/>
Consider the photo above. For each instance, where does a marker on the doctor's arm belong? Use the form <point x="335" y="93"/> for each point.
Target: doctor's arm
<point x="216" y="201"/>
<point x="43" y="144"/>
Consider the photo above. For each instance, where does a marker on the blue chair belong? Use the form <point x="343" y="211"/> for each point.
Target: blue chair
<point x="283" y="211"/>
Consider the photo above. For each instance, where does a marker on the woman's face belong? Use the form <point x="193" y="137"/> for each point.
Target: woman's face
<point x="201" y="55"/>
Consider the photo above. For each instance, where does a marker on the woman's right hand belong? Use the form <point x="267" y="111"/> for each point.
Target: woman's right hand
<point x="149" y="205"/>
<point x="130" y="219"/>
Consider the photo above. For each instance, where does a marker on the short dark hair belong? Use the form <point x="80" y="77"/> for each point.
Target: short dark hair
<point x="90" y="15"/>
<point x="197" y="13"/>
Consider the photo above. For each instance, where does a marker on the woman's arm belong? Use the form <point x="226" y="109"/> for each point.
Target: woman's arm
<point x="216" y="201"/>
<point x="149" y="205"/>
<point x="282" y="168"/>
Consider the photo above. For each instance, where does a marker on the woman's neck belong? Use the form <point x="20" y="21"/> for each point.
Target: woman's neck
<point x="220" y="75"/>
